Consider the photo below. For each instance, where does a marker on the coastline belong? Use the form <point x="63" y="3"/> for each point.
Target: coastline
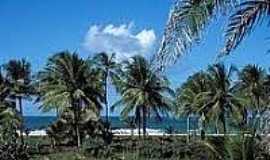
<point x="134" y="132"/>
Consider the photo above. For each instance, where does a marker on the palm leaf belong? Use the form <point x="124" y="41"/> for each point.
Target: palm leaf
<point x="243" y="21"/>
<point x="187" y="20"/>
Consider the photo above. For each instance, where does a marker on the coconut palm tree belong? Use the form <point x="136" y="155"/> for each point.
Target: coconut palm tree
<point x="142" y="91"/>
<point x="252" y="87"/>
<point x="188" y="96"/>
<point x="220" y="100"/>
<point x="71" y="83"/>
<point x="107" y="63"/>
<point x="18" y="73"/>
<point x="9" y="119"/>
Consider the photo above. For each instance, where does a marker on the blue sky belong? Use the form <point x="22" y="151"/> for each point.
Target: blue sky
<point x="36" y="29"/>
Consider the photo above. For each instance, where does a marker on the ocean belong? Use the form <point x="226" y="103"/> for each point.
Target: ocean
<point x="179" y="125"/>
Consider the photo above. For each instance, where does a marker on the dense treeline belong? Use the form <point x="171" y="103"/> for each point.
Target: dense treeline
<point x="219" y="93"/>
<point x="77" y="89"/>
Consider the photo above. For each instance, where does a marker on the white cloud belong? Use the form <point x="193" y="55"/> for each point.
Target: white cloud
<point x="120" y="40"/>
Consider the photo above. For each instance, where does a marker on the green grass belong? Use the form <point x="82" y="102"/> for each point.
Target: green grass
<point x="61" y="156"/>
<point x="125" y="148"/>
<point x="81" y="156"/>
<point x="36" y="140"/>
<point x="122" y="148"/>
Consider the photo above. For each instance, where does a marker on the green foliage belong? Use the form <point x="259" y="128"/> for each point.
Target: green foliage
<point x="188" y="20"/>
<point x="252" y="86"/>
<point x="108" y="66"/>
<point x="9" y="118"/>
<point x="247" y="16"/>
<point x="63" y="131"/>
<point x="66" y="78"/>
<point x="13" y="151"/>
<point x="18" y="73"/>
<point x="160" y="148"/>
<point x="142" y="91"/>
<point x="185" y="26"/>
<point x="211" y="94"/>
<point x="69" y="83"/>
<point x="10" y="149"/>
<point x="188" y="95"/>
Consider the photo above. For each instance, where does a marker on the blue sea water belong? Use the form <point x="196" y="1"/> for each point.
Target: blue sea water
<point x="180" y="125"/>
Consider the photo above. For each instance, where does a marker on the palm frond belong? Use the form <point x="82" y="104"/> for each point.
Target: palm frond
<point x="187" y="21"/>
<point x="243" y="21"/>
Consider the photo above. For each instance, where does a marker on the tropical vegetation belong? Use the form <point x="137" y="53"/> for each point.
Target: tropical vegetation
<point x="227" y="100"/>
<point x="71" y="84"/>
<point x="143" y="91"/>
<point x="107" y="64"/>
<point x="188" y="21"/>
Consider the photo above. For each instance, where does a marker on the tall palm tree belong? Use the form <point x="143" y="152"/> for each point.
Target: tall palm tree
<point x="252" y="84"/>
<point x="188" y="96"/>
<point x="71" y="83"/>
<point x="142" y="91"/>
<point x="18" y="73"/>
<point x="252" y="87"/>
<point x="220" y="100"/>
<point x="9" y="120"/>
<point x="107" y="63"/>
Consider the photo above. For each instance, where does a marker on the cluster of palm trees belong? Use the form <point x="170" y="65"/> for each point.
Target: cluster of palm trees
<point x="219" y="93"/>
<point x="16" y="85"/>
<point x="77" y="88"/>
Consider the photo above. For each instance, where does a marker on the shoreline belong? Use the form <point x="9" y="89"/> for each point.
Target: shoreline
<point x="150" y="132"/>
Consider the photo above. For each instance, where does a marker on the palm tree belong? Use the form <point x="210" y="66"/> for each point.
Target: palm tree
<point x="219" y="100"/>
<point x="248" y="14"/>
<point x="9" y="120"/>
<point x="108" y="65"/>
<point x="186" y="23"/>
<point x="188" y="95"/>
<point x="143" y="91"/>
<point x="18" y="73"/>
<point x="188" y="19"/>
<point x="71" y="83"/>
<point x="252" y="87"/>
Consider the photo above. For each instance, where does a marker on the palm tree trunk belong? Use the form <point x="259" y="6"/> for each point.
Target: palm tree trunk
<point x="224" y="124"/>
<point x="76" y="117"/>
<point x="245" y="117"/>
<point x="57" y="112"/>
<point x="144" y="120"/>
<point x="139" y="121"/>
<point x="22" y="120"/>
<point x="203" y="130"/>
<point x="106" y="97"/>
<point x="188" y="128"/>
<point x="216" y="127"/>
<point x="257" y="114"/>
<point x="78" y="136"/>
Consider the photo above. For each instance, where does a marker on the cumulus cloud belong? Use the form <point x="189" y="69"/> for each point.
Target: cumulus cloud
<point x="120" y="40"/>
